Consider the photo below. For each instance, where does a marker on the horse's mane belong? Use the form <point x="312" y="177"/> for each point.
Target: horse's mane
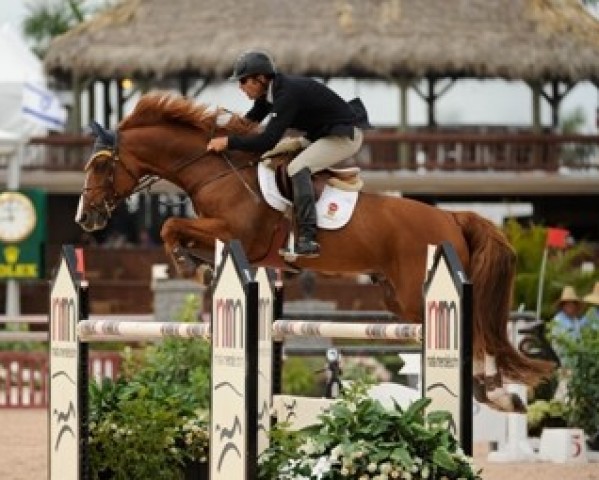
<point x="167" y="107"/>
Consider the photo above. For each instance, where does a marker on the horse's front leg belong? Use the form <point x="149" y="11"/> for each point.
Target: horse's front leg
<point x="190" y="243"/>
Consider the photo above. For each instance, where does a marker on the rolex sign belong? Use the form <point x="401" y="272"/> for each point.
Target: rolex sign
<point x="22" y="234"/>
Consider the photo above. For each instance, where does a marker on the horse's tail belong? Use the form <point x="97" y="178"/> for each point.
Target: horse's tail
<point x="492" y="272"/>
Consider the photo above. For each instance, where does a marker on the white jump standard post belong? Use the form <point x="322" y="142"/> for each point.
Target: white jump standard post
<point x="67" y="418"/>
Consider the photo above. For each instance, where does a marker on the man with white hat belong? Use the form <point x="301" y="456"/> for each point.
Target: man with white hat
<point x="568" y="319"/>
<point x="567" y="322"/>
<point x="592" y="314"/>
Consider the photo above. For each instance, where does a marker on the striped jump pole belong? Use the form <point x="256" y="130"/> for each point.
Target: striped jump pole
<point x="110" y="330"/>
<point x="399" y="332"/>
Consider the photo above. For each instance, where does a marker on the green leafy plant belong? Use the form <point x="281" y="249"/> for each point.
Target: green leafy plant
<point x="368" y="369"/>
<point x="153" y="420"/>
<point x="359" y="438"/>
<point x="546" y="413"/>
<point x="303" y="376"/>
<point x="563" y="267"/>
<point x="581" y="367"/>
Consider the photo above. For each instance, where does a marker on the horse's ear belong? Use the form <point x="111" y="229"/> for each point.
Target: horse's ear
<point x="105" y="136"/>
<point x="96" y="128"/>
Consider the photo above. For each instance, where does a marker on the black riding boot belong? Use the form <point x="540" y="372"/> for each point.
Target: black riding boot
<point x="305" y="214"/>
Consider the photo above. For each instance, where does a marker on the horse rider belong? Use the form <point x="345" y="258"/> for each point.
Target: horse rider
<point x="332" y="129"/>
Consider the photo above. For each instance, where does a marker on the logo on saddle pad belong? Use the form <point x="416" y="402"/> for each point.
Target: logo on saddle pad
<point x="334" y="208"/>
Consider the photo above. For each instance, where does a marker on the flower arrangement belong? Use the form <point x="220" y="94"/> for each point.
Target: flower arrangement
<point x="358" y="438"/>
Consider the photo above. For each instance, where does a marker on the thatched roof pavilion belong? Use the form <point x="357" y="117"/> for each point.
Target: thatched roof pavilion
<point x="544" y="42"/>
<point x="515" y="39"/>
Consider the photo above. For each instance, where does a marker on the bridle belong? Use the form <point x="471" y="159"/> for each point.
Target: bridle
<point x="112" y="197"/>
<point x="144" y="183"/>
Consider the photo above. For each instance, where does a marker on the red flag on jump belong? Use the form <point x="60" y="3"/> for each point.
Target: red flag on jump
<point x="80" y="267"/>
<point x="556" y="237"/>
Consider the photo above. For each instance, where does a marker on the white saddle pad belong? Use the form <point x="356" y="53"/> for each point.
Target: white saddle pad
<point x="334" y="208"/>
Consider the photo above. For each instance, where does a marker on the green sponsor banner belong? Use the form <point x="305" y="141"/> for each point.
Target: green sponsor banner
<point x="22" y="259"/>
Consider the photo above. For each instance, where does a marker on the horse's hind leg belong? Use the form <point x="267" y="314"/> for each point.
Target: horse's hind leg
<point x="403" y="293"/>
<point x="389" y="296"/>
<point x="489" y="389"/>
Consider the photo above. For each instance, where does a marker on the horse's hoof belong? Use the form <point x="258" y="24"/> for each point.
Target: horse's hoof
<point x="205" y="275"/>
<point x="478" y="390"/>
<point x="518" y="405"/>
<point x="184" y="263"/>
<point x="506" y="402"/>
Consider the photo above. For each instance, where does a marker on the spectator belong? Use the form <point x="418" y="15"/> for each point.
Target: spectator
<point x="569" y="318"/>
<point x="592" y="314"/>
<point x="565" y="326"/>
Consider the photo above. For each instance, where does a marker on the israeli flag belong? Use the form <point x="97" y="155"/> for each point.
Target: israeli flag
<point x="42" y="106"/>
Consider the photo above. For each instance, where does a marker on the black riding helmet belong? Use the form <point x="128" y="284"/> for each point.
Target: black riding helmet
<point x="253" y="63"/>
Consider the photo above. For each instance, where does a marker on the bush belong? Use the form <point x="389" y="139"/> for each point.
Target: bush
<point x="546" y="414"/>
<point x="563" y="268"/>
<point x="153" y="420"/>
<point x="581" y="366"/>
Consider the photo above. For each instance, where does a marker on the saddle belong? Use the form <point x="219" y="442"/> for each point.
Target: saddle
<point x="346" y="179"/>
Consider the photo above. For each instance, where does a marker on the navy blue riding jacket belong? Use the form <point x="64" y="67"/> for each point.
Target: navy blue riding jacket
<point x="303" y="104"/>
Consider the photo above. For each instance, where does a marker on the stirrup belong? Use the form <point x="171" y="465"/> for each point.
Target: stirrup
<point x="291" y="252"/>
<point x="307" y="248"/>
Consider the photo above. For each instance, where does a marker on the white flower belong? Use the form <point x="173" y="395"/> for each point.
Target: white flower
<point x="344" y="472"/>
<point x="358" y="454"/>
<point x="372" y="467"/>
<point x="309" y="447"/>
<point x="336" y="452"/>
<point x="322" y="466"/>
<point x="425" y="472"/>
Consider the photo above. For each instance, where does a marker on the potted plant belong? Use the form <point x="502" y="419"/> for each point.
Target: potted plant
<point x="358" y="438"/>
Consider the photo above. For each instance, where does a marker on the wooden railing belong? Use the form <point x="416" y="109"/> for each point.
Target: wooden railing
<point x="390" y="150"/>
<point x="479" y="151"/>
<point x="24" y="376"/>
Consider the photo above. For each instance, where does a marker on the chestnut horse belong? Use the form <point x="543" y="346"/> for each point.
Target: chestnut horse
<point x="387" y="237"/>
